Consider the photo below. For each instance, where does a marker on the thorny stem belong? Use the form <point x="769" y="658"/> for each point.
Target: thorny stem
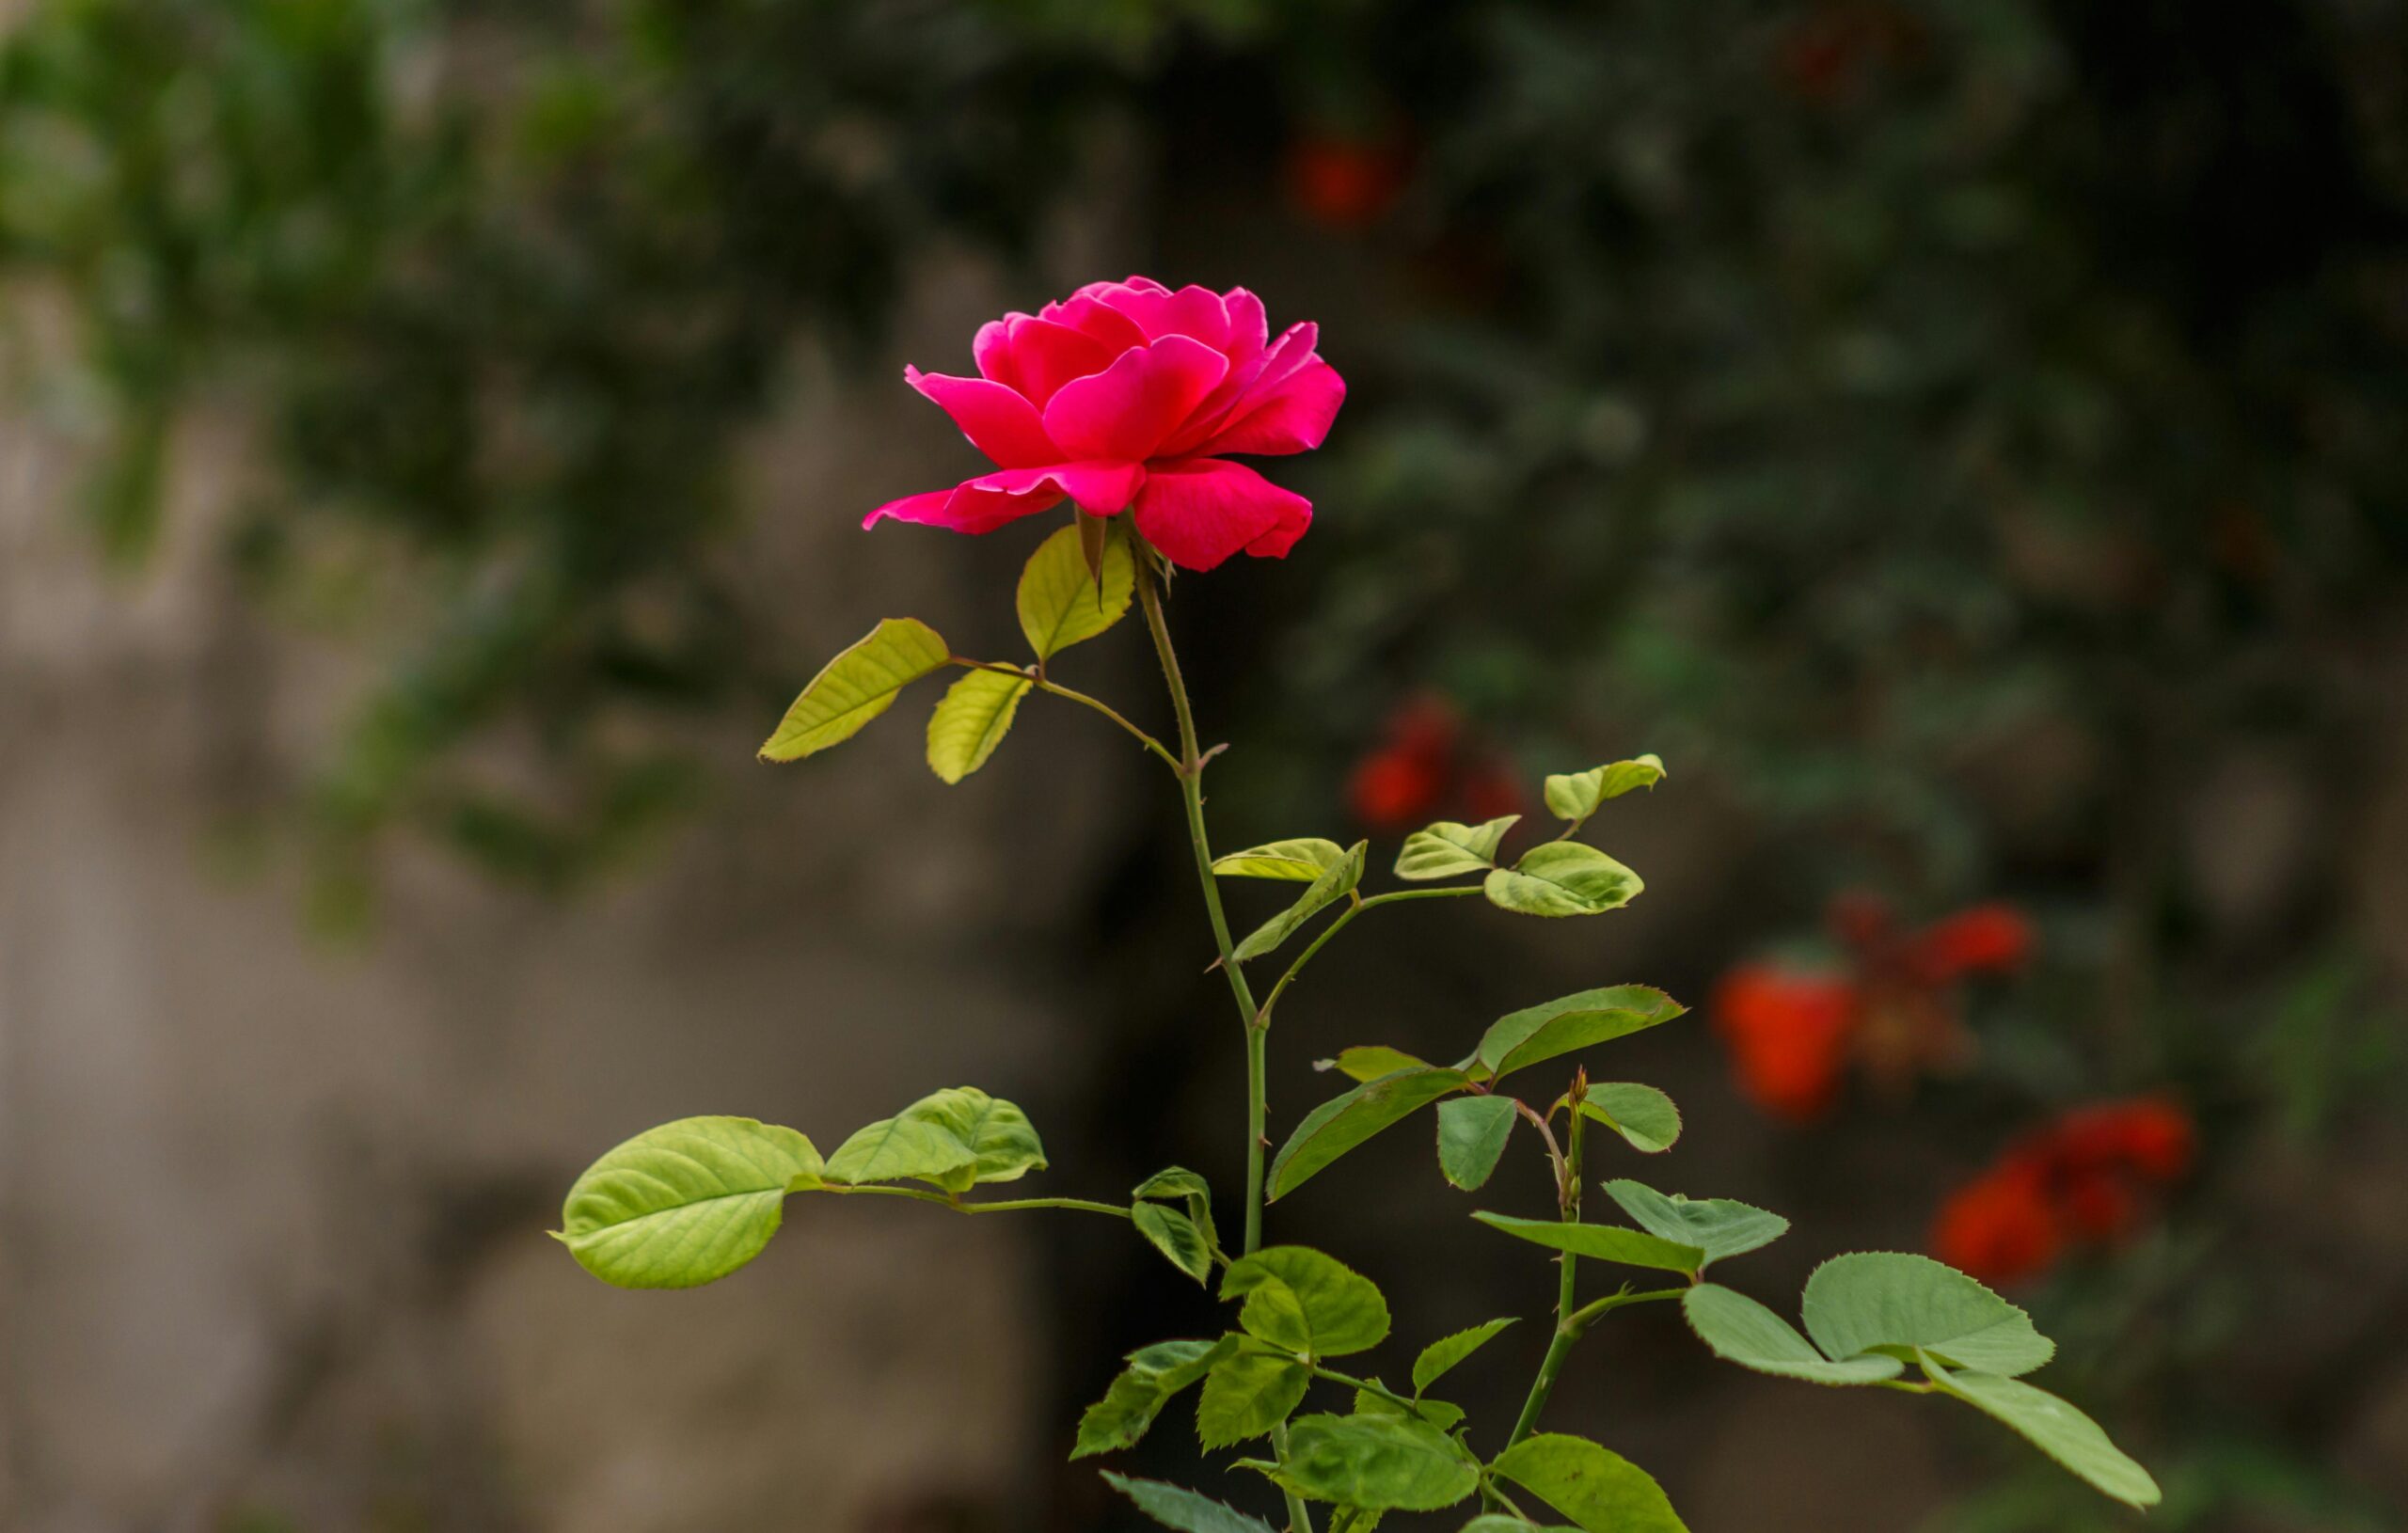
<point x="1566" y="1294"/>
<point x="1191" y="784"/>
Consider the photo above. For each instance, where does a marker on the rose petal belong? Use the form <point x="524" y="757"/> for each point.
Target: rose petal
<point x="1193" y="311"/>
<point x="1101" y="488"/>
<point x="1105" y="324"/>
<point x="1200" y="511"/>
<point x="999" y="423"/>
<point x="1129" y="409"/>
<point x="1246" y="386"/>
<point x="1291" y="416"/>
<point x="1249" y="327"/>
<point x="967" y="507"/>
<point x="1034" y="357"/>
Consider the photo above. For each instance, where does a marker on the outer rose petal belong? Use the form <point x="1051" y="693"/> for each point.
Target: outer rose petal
<point x="1248" y="383"/>
<point x="1101" y="487"/>
<point x="1127" y="410"/>
<point x="970" y="507"/>
<point x="1291" y="416"/>
<point x="1200" y="511"/>
<point x="998" y="422"/>
<point x="1034" y="356"/>
<point x="1249" y="327"/>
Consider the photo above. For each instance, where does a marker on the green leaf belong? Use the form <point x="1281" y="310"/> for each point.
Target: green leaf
<point x="1179" y="1182"/>
<point x="1333" y="884"/>
<point x="1381" y="1463"/>
<point x="1450" y="848"/>
<point x="1574" y="796"/>
<point x="1154" y="1374"/>
<point x="957" y="1138"/>
<point x="1353" y="1519"/>
<point x="1176" y="1237"/>
<point x="1440" y="1357"/>
<point x="1472" y="1131"/>
<point x="1736" y="1329"/>
<point x="1343" y="1122"/>
<point x="1602" y="1491"/>
<point x="1719" y="1227"/>
<point x="971" y="719"/>
<point x="1891" y="1299"/>
<point x="1060" y="603"/>
<point x="1604" y="1242"/>
<point x="1246" y="1395"/>
<point x="1305" y="1301"/>
<point x="1300" y="861"/>
<point x="1641" y="1115"/>
<point x="1537" y="1033"/>
<point x="1184" y="1510"/>
<point x="1369" y="1062"/>
<point x="686" y="1203"/>
<point x="1439" y="1414"/>
<point x="856" y="687"/>
<point x="2053" y="1425"/>
<point x="1497" y="1521"/>
<point x="1562" y="878"/>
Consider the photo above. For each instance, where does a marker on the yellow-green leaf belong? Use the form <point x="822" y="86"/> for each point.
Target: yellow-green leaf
<point x="972" y="719"/>
<point x="1299" y="860"/>
<point x="856" y="687"/>
<point x="1562" y="878"/>
<point x="1450" y="848"/>
<point x="1061" y="603"/>
<point x="1574" y="796"/>
<point x="686" y="1203"/>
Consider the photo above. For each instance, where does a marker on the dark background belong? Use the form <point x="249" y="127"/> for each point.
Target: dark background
<point x="1962" y="438"/>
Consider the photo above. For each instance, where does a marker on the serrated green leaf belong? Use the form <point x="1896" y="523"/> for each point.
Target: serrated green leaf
<point x="1450" y="848"/>
<point x="1561" y="879"/>
<point x="2053" y="1425"/>
<point x="1537" y="1033"/>
<point x="1736" y="1329"/>
<point x="1439" y="1358"/>
<point x="1891" y="1299"/>
<point x="1437" y="1413"/>
<point x="1060" y="602"/>
<point x="1602" y="1243"/>
<point x="957" y="1138"/>
<point x="1334" y="884"/>
<point x="1154" y="1374"/>
<point x="1184" y="1510"/>
<point x="1497" y="1521"/>
<point x="1175" y="1236"/>
<point x="1353" y="1519"/>
<point x="1248" y="1394"/>
<point x="1307" y="1302"/>
<point x="856" y="687"/>
<point x="686" y="1203"/>
<point x="1602" y="1491"/>
<point x="1472" y="1131"/>
<point x="1719" y="1227"/>
<point x="1341" y="1123"/>
<point x="1382" y="1463"/>
<point x="1641" y="1115"/>
<point x="1299" y="860"/>
<point x="1574" y="796"/>
<point x="971" y="719"/>
<point x="1173" y="1182"/>
<point x="1369" y="1062"/>
<point x="893" y="1149"/>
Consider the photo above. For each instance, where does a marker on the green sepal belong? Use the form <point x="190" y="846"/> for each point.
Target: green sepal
<point x="971" y="719"/>
<point x="1472" y="1132"/>
<point x="1600" y="1490"/>
<point x="686" y="1203"/>
<point x="1575" y="796"/>
<point x="1174" y="1506"/>
<point x="1719" y="1226"/>
<point x="1601" y="1243"/>
<point x="1341" y="1123"/>
<point x="1060" y="600"/>
<point x="1563" y="878"/>
<point x="1334" y="884"/>
<point x="1449" y="848"/>
<point x="1306" y="1303"/>
<point x="1440" y="1357"/>
<point x="856" y="687"/>
<point x="1378" y="1463"/>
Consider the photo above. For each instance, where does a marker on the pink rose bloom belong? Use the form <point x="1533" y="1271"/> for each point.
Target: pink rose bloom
<point x="1126" y="395"/>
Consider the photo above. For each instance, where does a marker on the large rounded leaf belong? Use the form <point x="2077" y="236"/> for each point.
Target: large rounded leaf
<point x="856" y="687"/>
<point x="1562" y="878"/>
<point x="1307" y="1302"/>
<point x="2054" y="1427"/>
<point x="1246" y="1395"/>
<point x="971" y="719"/>
<point x="1378" y="1462"/>
<point x="1060" y="601"/>
<point x="1603" y="1492"/>
<point x="1736" y="1329"/>
<point x="956" y="1138"/>
<point x="1719" y="1227"/>
<point x="686" y="1203"/>
<point x="1643" y="1115"/>
<point x="1889" y="1299"/>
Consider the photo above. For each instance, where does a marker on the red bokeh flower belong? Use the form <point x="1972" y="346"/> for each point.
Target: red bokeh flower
<point x="2084" y="1179"/>
<point x="1428" y="766"/>
<point x="1346" y="184"/>
<point x="1129" y="396"/>
<point x="1892" y="1007"/>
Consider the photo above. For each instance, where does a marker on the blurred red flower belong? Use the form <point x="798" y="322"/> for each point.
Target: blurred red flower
<point x="1346" y="184"/>
<point x="1892" y="1006"/>
<point x="2084" y="1179"/>
<point x="1427" y="766"/>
